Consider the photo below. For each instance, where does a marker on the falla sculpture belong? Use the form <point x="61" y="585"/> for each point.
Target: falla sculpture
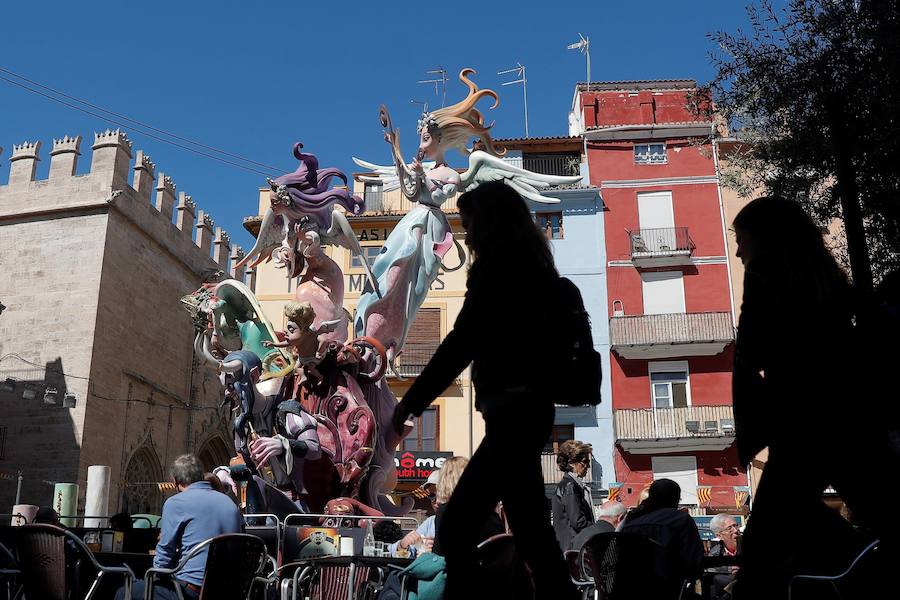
<point x="313" y="410"/>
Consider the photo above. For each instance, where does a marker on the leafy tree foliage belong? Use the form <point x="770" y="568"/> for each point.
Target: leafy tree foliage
<point x="813" y="87"/>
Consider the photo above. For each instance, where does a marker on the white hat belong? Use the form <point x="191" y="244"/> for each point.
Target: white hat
<point x="433" y="478"/>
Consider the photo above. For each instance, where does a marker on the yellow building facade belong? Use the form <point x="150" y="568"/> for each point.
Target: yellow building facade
<point x="451" y="424"/>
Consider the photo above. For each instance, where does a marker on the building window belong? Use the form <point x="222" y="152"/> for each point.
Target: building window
<point x="421" y="342"/>
<point x="560" y="434"/>
<point x="669" y="385"/>
<point x="550" y="224"/>
<point x="373" y="195"/>
<point x="370" y="252"/>
<point x="424" y="435"/>
<point x="649" y="154"/>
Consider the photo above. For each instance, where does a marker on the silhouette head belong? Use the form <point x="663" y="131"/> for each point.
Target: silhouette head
<point x="776" y="235"/>
<point x="498" y="224"/>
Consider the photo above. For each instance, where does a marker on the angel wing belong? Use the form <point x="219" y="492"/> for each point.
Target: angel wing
<point x="272" y="232"/>
<point x="484" y="167"/>
<point x="341" y="234"/>
<point x="386" y="174"/>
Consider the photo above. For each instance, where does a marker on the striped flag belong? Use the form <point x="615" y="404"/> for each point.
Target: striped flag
<point x="740" y="496"/>
<point x="704" y="494"/>
<point x="614" y="489"/>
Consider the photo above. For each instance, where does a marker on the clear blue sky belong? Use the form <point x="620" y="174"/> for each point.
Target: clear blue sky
<point x="253" y="78"/>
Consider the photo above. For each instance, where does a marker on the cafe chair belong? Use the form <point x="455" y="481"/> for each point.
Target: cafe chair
<point x="621" y="565"/>
<point x="10" y="573"/>
<point x="834" y="581"/>
<point x="42" y="558"/>
<point x="235" y="562"/>
<point x="582" y="580"/>
<point x="504" y="568"/>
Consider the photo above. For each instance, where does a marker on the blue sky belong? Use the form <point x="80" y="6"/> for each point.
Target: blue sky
<point x="253" y="78"/>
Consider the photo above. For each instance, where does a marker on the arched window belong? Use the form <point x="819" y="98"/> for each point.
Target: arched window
<point x="141" y="494"/>
<point x="214" y="453"/>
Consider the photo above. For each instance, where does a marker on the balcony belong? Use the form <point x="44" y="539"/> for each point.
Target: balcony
<point x="681" y="429"/>
<point x="413" y="359"/>
<point x="660" y="247"/>
<point x="644" y="337"/>
<point x="394" y="203"/>
<point x="551" y="471"/>
<point x="552" y="164"/>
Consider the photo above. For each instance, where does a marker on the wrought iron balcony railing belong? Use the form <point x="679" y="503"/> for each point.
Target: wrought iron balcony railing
<point x="414" y="358"/>
<point x="660" y="244"/>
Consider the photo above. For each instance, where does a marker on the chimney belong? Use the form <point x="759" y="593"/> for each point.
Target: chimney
<point x="237" y="253"/>
<point x="23" y="162"/>
<point x="144" y="174"/>
<point x="186" y="211"/>
<point x="221" y="248"/>
<point x="165" y="196"/>
<point x="251" y="279"/>
<point x="204" y="231"/>
<point x="64" y="157"/>
<point x="111" y="157"/>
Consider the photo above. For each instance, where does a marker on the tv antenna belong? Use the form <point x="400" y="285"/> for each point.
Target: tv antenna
<point x="519" y="70"/>
<point x="441" y="80"/>
<point x="584" y="46"/>
<point x="422" y="103"/>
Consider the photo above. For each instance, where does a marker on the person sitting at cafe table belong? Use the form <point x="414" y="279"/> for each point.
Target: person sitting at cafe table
<point x="190" y="517"/>
<point x="726" y="529"/>
<point x="423" y="534"/>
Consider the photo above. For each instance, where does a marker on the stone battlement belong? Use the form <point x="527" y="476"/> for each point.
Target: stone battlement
<point x="177" y="224"/>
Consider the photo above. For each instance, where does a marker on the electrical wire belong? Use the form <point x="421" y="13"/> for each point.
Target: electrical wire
<point x="135" y="121"/>
<point x="150" y="135"/>
<point x="91" y="390"/>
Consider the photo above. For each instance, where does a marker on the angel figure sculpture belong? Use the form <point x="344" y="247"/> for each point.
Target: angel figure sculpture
<point x="413" y="253"/>
<point x="304" y="211"/>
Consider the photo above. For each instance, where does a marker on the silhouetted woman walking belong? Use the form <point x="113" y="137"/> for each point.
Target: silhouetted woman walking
<point x="508" y="328"/>
<point x="793" y="389"/>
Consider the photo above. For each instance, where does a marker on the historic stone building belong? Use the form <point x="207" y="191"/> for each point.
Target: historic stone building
<point x="96" y="358"/>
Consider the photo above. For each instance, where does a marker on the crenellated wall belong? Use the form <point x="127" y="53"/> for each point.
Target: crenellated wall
<point x="112" y="159"/>
<point x="96" y="265"/>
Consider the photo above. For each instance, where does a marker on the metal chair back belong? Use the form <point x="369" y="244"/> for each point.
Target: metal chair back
<point x="621" y="565"/>
<point x="42" y="561"/>
<point x="499" y="559"/>
<point x="233" y="562"/>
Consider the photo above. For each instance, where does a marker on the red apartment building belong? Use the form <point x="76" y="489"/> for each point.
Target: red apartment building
<point x="669" y="293"/>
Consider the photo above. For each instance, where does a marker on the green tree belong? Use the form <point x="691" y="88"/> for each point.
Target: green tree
<point x="814" y="88"/>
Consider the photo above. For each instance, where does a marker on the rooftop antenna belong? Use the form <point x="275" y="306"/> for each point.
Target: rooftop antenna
<point x="519" y="70"/>
<point x="422" y="103"/>
<point x="584" y="46"/>
<point x="441" y="72"/>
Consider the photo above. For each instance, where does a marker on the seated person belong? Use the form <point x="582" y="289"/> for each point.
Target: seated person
<point x="190" y="517"/>
<point x="425" y="531"/>
<point x="726" y="529"/>
<point x="609" y="516"/>
<point x="659" y="519"/>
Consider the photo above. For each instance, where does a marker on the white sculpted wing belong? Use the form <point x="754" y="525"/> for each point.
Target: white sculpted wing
<point x="484" y="167"/>
<point x="386" y="175"/>
<point x="272" y="232"/>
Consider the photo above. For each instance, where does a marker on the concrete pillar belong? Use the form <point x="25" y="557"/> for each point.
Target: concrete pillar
<point x="64" y="157"/>
<point x="111" y="157"/>
<point x="165" y="195"/>
<point x="23" y="162"/>
<point x="96" y="501"/>
<point x="185" y="218"/>
<point x="144" y="175"/>
<point x="204" y="227"/>
<point x="251" y="279"/>
<point x="237" y="253"/>
<point x="221" y="248"/>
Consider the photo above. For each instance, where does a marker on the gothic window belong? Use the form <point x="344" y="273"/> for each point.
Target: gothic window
<point x="141" y="495"/>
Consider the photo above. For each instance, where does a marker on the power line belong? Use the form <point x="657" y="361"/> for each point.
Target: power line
<point x="135" y="121"/>
<point x="139" y="129"/>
